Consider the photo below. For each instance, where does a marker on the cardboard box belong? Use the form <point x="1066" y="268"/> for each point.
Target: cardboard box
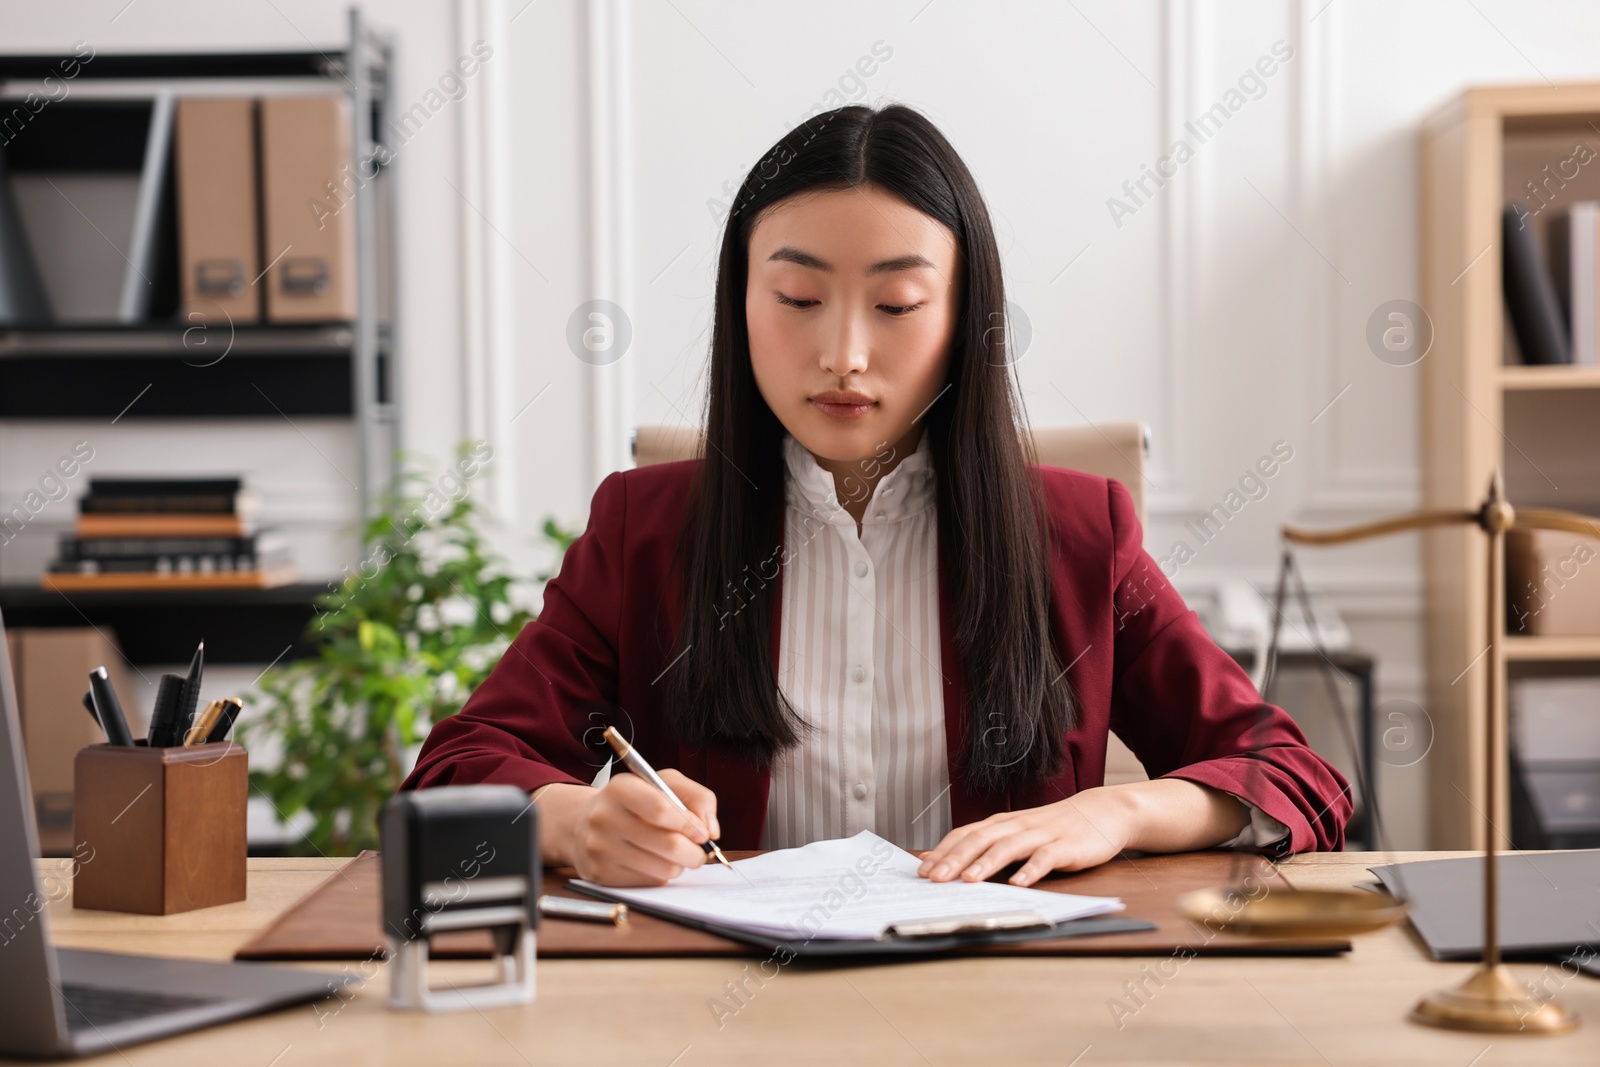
<point x="52" y="668"/>
<point x="1552" y="584"/>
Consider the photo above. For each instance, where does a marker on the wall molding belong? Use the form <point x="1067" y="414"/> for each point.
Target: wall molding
<point x="1186" y="35"/>
<point x="610" y="230"/>
<point x="488" y="334"/>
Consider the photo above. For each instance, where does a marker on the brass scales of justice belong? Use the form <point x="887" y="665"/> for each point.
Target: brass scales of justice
<point x="1491" y="998"/>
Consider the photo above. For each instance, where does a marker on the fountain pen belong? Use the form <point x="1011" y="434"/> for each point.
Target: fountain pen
<point x="640" y="766"/>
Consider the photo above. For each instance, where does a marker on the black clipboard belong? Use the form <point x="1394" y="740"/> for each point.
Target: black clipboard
<point x="886" y="945"/>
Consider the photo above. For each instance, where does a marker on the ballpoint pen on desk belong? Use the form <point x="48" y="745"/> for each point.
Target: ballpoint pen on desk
<point x="600" y="911"/>
<point x="638" y="765"/>
<point x="108" y="709"/>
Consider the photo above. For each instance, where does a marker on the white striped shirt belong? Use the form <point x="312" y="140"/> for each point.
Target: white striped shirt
<point x="859" y="659"/>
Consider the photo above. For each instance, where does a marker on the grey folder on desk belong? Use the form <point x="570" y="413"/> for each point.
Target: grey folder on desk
<point x="1549" y="902"/>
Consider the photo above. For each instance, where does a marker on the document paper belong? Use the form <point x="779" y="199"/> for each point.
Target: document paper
<point x="849" y="888"/>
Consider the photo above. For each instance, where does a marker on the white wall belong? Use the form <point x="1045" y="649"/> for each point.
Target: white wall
<point x="1229" y="310"/>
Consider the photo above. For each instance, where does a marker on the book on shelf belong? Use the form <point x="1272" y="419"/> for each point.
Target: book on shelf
<point x="1530" y="292"/>
<point x="165" y="556"/>
<point x="167" y="565"/>
<point x="221" y="496"/>
<point x="1574" y="239"/>
<point x="167" y="508"/>
<point x="172" y="524"/>
<point x="145" y="581"/>
<point x="263" y="543"/>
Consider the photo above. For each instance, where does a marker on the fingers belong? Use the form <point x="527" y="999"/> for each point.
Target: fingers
<point x="964" y="844"/>
<point x="1004" y="850"/>
<point x="1055" y="837"/>
<point x="648" y="804"/>
<point x="696" y="797"/>
<point x="622" y="863"/>
<point x="647" y="864"/>
<point x="630" y="833"/>
<point x="616" y="845"/>
<point x="1042" y="862"/>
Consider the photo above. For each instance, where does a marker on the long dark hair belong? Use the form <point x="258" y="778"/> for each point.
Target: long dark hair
<point x="994" y="537"/>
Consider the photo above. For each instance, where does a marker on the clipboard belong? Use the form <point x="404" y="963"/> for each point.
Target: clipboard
<point x="901" y="939"/>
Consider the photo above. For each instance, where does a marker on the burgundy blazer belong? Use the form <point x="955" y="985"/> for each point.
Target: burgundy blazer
<point x="1140" y="662"/>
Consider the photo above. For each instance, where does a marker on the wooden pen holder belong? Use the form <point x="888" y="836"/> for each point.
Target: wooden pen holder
<point x="159" y="830"/>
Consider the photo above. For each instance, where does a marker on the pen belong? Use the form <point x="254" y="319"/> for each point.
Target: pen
<point x="230" y="711"/>
<point x="88" y="702"/>
<point x="601" y="911"/>
<point x="200" y="732"/>
<point x="191" y="690"/>
<point x="108" y="709"/>
<point x="638" y="765"/>
<point x="166" y="723"/>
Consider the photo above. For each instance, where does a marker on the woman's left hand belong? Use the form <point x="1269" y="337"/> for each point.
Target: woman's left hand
<point x="1084" y="830"/>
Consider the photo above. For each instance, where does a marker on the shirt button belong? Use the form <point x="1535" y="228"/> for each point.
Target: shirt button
<point x="860" y="790"/>
<point x="861" y="570"/>
<point x="859" y="674"/>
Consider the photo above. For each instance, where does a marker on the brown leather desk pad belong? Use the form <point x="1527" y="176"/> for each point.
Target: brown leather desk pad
<point x="341" y="918"/>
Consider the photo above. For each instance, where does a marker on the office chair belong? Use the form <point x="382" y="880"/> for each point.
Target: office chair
<point x="1110" y="449"/>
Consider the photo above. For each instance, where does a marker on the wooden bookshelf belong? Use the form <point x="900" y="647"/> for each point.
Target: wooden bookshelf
<point x="1484" y="411"/>
<point x="1522" y="378"/>
<point x="1552" y="649"/>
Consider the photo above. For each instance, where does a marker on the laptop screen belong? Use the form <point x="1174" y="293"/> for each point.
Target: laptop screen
<point x="28" y="1006"/>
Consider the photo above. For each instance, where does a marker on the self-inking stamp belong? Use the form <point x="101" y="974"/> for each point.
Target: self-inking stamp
<point x="460" y="858"/>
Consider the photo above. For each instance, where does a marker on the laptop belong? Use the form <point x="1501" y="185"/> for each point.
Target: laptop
<point x="56" y="1003"/>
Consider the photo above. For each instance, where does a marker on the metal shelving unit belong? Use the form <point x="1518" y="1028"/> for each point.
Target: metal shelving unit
<point x="56" y="369"/>
<point x="343" y="369"/>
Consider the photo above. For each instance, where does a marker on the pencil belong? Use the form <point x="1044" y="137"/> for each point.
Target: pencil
<point x="640" y="766"/>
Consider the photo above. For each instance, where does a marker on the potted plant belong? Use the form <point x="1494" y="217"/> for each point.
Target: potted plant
<point x="398" y="645"/>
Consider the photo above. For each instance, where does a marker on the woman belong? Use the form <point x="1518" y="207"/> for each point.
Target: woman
<point x="865" y="608"/>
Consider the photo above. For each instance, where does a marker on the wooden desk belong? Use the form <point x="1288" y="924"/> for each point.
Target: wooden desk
<point x="1056" y="1011"/>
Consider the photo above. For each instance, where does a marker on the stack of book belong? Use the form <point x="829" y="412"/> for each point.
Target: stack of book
<point x="160" y="533"/>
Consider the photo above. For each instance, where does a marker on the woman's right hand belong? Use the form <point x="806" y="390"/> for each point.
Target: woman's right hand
<point x="627" y="833"/>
